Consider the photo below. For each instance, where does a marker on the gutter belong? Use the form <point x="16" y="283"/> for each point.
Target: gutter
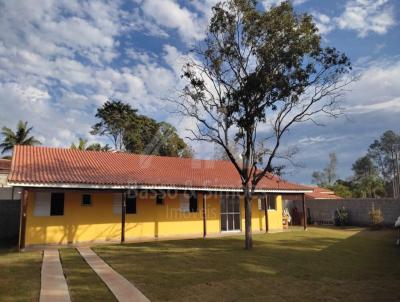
<point x="148" y="187"/>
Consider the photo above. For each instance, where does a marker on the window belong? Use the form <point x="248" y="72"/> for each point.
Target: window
<point x="57" y="204"/>
<point x="271" y="202"/>
<point x="160" y="199"/>
<point x="261" y="202"/>
<point x="193" y="202"/>
<point x="131" y="203"/>
<point x="86" y="200"/>
<point x="184" y="202"/>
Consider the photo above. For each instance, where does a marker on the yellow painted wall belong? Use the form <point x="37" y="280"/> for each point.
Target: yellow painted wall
<point x="152" y="220"/>
<point x="98" y="222"/>
<point x="79" y="223"/>
<point x="258" y="216"/>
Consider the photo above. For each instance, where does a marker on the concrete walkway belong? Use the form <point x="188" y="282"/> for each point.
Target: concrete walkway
<point x="122" y="289"/>
<point x="53" y="284"/>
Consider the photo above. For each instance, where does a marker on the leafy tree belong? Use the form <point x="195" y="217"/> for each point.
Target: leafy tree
<point x="259" y="68"/>
<point x="82" y="145"/>
<point x="20" y="137"/>
<point x="328" y="175"/>
<point x="136" y="133"/>
<point x="366" y="178"/>
<point x="342" y="188"/>
<point x="115" y="118"/>
<point x="169" y="143"/>
<point x="98" y="147"/>
<point x="385" y="152"/>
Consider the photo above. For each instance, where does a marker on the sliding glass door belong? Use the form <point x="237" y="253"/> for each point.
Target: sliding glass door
<point x="230" y="213"/>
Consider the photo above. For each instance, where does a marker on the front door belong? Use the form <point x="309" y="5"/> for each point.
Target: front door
<point x="230" y="213"/>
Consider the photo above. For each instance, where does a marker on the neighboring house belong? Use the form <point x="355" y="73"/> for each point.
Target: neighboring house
<point x="5" y="167"/>
<point x="72" y="196"/>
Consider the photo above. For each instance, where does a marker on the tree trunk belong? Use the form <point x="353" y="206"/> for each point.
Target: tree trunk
<point x="247" y="218"/>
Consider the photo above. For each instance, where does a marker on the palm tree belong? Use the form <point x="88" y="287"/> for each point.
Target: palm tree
<point x="20" y="137"/>
<point x="81" y="145"/>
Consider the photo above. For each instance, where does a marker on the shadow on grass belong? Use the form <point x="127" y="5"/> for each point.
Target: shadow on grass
<point x="289" y="266"/>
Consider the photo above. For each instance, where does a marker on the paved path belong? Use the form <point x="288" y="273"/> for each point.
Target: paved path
<point x="53" y="284"/>
<point x="122" y="289"/>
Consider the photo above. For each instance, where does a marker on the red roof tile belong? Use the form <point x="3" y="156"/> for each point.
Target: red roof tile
<point x="44" y="165"/>
<point x="322" y="193"/>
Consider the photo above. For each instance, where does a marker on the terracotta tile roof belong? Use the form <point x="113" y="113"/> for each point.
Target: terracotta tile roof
<point x="5" y="165"/>
<point x="322" y="193"/>
<point x="44" y="165"/>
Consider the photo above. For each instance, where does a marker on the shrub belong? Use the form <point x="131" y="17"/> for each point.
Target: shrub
<point x="376" y="218"/>
<point x="342" y="217"/>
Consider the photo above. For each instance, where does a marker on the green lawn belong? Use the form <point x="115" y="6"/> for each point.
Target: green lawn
<point x="19" y="275"/>
<point x="83" y="283"/>
<point x="321" y="264"/>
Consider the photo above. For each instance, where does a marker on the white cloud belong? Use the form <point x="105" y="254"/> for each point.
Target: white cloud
<point x="365" y="16"/>
<point x="324" y="23"/>
<point x="378" y="85"/>
<point x="55" y="66"/>
<point x="170" y="14"/>
<point x="271" y="3"/>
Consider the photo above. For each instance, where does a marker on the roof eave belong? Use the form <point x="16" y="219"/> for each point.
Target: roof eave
<point x="147" y="187"/>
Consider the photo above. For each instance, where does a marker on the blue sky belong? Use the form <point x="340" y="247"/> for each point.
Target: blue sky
<point x="61" y="59"/>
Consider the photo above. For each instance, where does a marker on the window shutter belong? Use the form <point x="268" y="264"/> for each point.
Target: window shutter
<point x="184" y="202"/>
<point x="117" y="203"/>
<point x="271" y="202"/>
<point x="42" y="204"/>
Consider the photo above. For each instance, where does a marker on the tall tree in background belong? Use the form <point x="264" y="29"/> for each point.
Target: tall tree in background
<point x="328" y="176"/>
<point x="386" y="154"/>
<point x="115" y="118"/>
<point x="20" y="137"/>
<point x="83" y="146"/>
<point x="366" y="177"/>
<point x="136" y="133"/>
<point x="259" y="68"/>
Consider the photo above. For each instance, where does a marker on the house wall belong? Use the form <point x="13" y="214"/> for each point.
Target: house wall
<point x="258" y="216"/>
<point x="98" y="222"/>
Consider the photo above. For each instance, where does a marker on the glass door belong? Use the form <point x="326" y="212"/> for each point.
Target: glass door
<point x="230" y="213"/>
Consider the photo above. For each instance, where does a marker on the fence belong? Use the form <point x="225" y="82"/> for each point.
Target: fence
<point x="323" y="210"/>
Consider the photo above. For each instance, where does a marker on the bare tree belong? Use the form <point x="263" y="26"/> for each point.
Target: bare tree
<point x="256" y="75"/>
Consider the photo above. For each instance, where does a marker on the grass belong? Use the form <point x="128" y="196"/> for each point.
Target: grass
<point x="83" y="282"/>
<point x="320" y="264"/>
<point x="19" y="275"/>
<point x="324" y="264"/>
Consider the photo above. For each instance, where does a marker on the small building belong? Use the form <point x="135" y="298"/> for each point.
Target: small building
<point x="5" y="167"/>
<point x="71" y="196"/>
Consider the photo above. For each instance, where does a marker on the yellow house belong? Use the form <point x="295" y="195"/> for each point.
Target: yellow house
<point x="72" y="196"/>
